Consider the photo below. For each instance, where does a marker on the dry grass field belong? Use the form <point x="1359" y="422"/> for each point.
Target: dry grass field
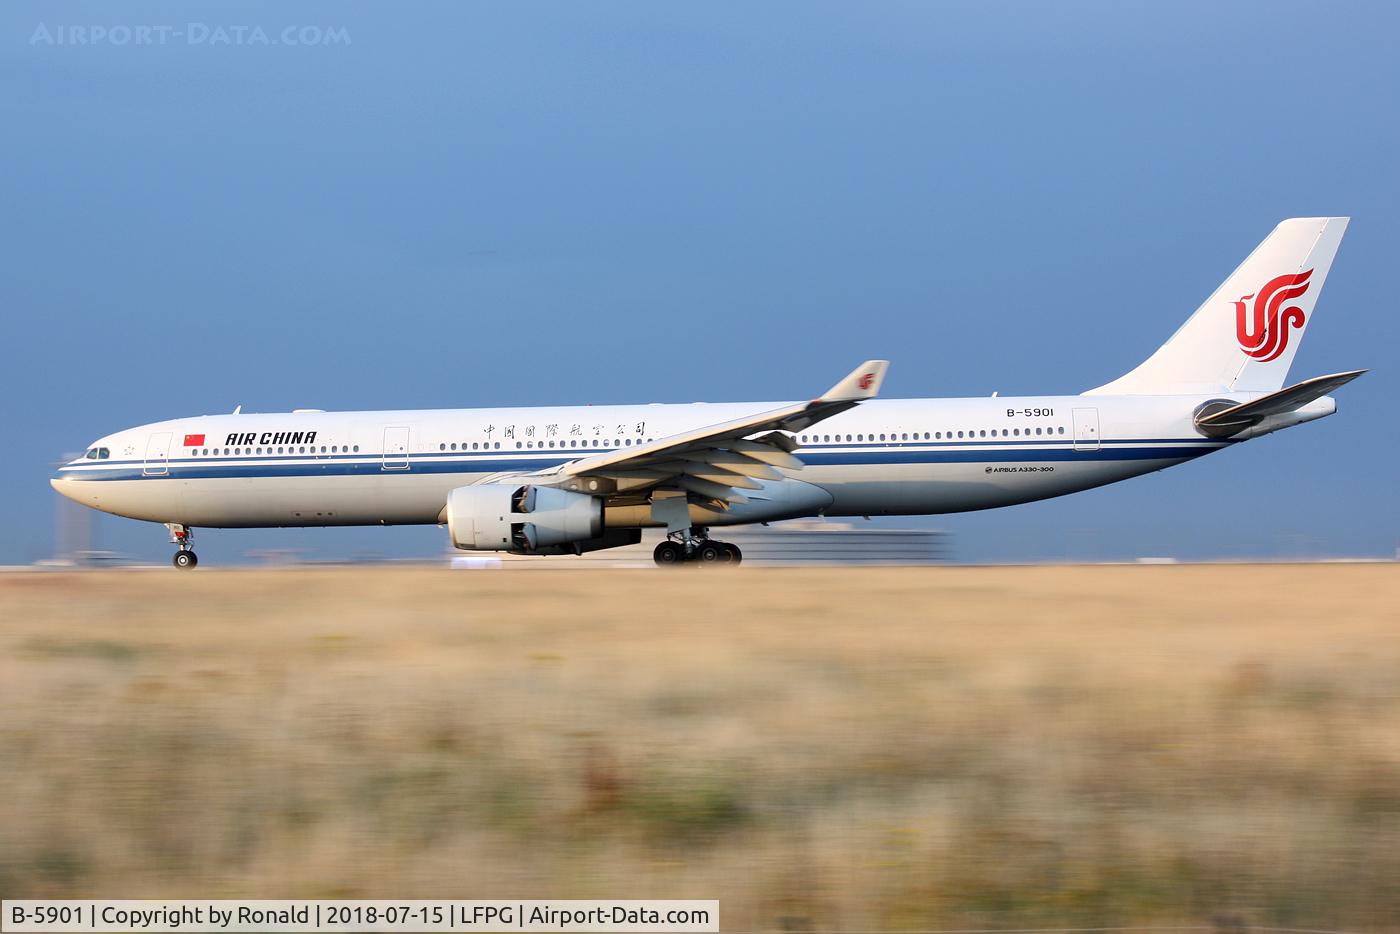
<point x="877" y="750"/>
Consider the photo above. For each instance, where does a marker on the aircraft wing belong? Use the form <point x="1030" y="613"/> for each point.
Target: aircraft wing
<point x="716" y="462"/>
<point x="1237" y="418"/>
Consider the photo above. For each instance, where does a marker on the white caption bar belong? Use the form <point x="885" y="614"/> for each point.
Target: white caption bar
<point x="197" y="915"/>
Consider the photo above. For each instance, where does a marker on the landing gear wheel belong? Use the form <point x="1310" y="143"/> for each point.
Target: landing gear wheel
<point x="711" y="553"/>
<point x="668" y="552"/>
<point x="180" y="536"/>
<point x="735" y="555"/>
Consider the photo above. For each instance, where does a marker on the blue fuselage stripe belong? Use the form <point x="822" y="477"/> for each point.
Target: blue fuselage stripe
<point x="493" y="462"/>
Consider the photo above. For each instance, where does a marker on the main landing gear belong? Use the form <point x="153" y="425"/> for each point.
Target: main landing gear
<point x="699" y="549"/>
<point x="181" y="536"/>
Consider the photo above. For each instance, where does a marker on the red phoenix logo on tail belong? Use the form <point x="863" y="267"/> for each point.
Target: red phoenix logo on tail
<point x="1263" y="334"/>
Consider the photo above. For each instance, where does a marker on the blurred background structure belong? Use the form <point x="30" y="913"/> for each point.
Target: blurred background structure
<point x="799" y="542"/>
<point x="72" y="530"/>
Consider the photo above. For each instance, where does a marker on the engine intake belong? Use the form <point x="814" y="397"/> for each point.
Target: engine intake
<point x="521" y="518"/>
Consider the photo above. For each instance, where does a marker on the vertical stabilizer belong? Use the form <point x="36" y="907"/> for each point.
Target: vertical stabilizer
<point x="1245" y="335"/>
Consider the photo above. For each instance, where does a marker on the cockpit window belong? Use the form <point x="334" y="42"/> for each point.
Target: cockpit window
<point x="103" y="453"/>
<point x="91" y="454"/>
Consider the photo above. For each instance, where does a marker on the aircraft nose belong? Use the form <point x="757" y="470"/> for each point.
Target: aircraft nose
<point x="61" y="484"/>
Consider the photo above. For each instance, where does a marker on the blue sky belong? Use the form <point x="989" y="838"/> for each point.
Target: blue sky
<point x="473" y="204"/>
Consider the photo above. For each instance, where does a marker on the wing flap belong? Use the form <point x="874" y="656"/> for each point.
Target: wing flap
<point x="707" y="488"/>
<point x="713" y="474"/>
<point x="735" y="463"/>
<point x="766" y="454"/>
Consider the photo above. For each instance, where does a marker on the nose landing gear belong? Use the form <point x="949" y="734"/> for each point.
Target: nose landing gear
<point x="181" y="536"/>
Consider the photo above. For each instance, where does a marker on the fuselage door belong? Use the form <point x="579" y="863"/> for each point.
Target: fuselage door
<point x="396" y="448"/>
<point x="1086" y="429"/>
<point x="157" y="455"/>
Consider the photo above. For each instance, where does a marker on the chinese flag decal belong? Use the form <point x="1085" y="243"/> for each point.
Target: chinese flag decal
<point x="193" y="441"/>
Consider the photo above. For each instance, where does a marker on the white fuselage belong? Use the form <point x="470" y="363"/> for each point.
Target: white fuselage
<point x="884" y="457"/>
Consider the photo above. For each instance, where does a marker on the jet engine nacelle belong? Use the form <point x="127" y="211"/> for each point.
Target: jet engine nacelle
<point x="521" y="518"/>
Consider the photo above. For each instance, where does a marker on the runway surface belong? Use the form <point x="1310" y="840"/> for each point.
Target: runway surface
<point x="833" y="749"/>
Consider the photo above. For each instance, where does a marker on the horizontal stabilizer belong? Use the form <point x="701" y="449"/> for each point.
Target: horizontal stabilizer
<point x="1221" y="423"/>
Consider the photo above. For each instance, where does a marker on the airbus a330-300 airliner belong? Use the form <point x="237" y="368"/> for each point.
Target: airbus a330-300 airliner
<point x="548" y="481"/>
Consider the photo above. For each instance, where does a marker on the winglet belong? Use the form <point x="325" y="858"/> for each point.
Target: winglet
<point x="862" y="383"/>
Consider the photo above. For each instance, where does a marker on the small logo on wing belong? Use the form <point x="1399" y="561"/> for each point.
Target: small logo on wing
<point x="866" y="380"/>
<point x="1263" y="329"/>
